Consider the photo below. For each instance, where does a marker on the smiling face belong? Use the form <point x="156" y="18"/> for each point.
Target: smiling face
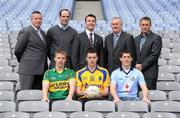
<point x="64" y="17"/>
<point x="36" y="20"/>
<point x="116" y="25"/>
<point x="90" y="23"/>
<point x="126" y="59"/>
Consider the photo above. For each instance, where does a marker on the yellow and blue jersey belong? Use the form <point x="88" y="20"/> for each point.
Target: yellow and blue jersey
<point x="85" y="78"/>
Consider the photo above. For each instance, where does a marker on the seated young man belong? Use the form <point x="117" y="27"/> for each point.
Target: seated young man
<point x="59" y="82"/>
<point x="92" y="75"/>
<point x="125" y="81"/>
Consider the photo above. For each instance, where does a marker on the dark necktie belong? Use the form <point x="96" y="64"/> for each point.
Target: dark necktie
<point x="40" y="35"/>
<point x="115" y="39"/>
<point x="90" y="38"/>
<point x="143" y="39"/>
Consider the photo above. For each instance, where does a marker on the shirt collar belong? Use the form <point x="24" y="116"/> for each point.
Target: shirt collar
<point x="144" y="35"/>
<point x="117" y="33"/>
<point x="88" y="32"/>
<point x="121" y="69"/>
<point x="63" y="27"/>
<point x="35" y="27"/>
<point x="54" y="69"/>
<point x="97" y="67"/>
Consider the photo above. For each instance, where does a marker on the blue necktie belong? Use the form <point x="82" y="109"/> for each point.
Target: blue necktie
<point x="142" y="42"/>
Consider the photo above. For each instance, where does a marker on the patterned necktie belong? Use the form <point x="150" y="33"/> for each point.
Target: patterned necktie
<point x="90" y="38"/>
<point x="115" y="39"/>
<point x="39" y="33"/>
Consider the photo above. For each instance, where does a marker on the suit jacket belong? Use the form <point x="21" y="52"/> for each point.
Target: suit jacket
<point x="85" y="44"/>
<point x="125" y="42"/>
<point x="149" y="54"/>
<point x="31" y="51"/>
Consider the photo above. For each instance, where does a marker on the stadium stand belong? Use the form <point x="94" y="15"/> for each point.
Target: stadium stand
<point x="165" y="17"/>
<point x="50" y="115"/>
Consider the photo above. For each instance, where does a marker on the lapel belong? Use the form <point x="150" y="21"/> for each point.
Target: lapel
<point x="110" y="42"/>
<point x="146" y="42"/>
<point x="138" y="43"/>
<point x="87" y="38"/>
<point x="121" y="37"/>
<point x="95" y="39"/>
<point x="37" y="35"/>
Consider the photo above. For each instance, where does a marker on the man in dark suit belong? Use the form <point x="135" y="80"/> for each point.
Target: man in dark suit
<point x="63" y="36"/>
<point x="148" y="50"/>
<point x="115" y="43"/>
<point x="31" y="53"/>
<point x="89" y="39"/>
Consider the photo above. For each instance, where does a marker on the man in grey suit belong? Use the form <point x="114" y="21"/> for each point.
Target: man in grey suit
<point x="148" y="50"/>
<point x="63" y="36"/>
<point x="31" y="53"/>
<point x="89" y="39"/>
<point x="115" y="43"/>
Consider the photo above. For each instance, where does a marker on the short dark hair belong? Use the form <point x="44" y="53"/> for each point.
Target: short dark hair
<point x="90" y="15"/>
<point x="36" y="12"/>
<point x="91" y="50"/>
<point x="125" y="51"/>
<point x="145" y="18"/>
<point x="64" y="10"/>
<point x="61" y="51"/>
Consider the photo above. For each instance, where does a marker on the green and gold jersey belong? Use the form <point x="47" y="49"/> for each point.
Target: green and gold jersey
<point x="58" y="82"/>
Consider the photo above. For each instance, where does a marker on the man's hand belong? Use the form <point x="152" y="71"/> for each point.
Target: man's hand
<point x="146" y="100"/>
<point x="139" y="67"/>
<point x="45" y="100"/>
<point x="116" y="100"/>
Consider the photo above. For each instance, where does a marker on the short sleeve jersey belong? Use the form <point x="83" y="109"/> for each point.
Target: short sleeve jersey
<point x="127" y="83"/>
<point x="58" y="82"/>
<point x="100" y="78"/>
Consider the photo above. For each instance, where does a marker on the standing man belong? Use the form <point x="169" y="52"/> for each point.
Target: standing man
<point x="148" y="50"/>
<point x="64" y="37"/>
<point x="59" y="81"/>
<point x="31" y="53"/>
<point x="90" y="39"/>
<point x="125" y="80"/>
<point x="115" y="43"/>
<point x="92" y="75"/>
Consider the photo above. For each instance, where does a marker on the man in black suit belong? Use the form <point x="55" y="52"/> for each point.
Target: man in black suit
<point x="31" y="53"/>
<point x="148" y="50"/>
<point x="117" y="42"/>
<point x="63" y="36"/>
<point x="89" y="39"/>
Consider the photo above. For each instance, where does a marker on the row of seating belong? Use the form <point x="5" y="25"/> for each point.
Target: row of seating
<point x="29" y="95"/>
<point x="87" y="115"/>
<point x="102" y="106"/>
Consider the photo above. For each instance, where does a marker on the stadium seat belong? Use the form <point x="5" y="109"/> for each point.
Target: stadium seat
<point x="102" y="106"/>
<point x="123" y="115"/>
<point x="166" y="76"/>
<point x="6" y="96"/>
<point x="49" y="115"/>
<point x="168" y="86"/>
<point x="86" y="114"/>
<point x="14" y="115"/>
<point x="29" y="95"/>
<point x="133" y="106"/>
<point x="6" y="86"/>
<point x="166" y="106"/>
<point x="159" y="115"/>
<point x="174" y="96"/>
<point x="67" y="107"/>
<point x="7" y="106"/>
<point x="155" y="95"/>
<point x="33" y="106"/>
